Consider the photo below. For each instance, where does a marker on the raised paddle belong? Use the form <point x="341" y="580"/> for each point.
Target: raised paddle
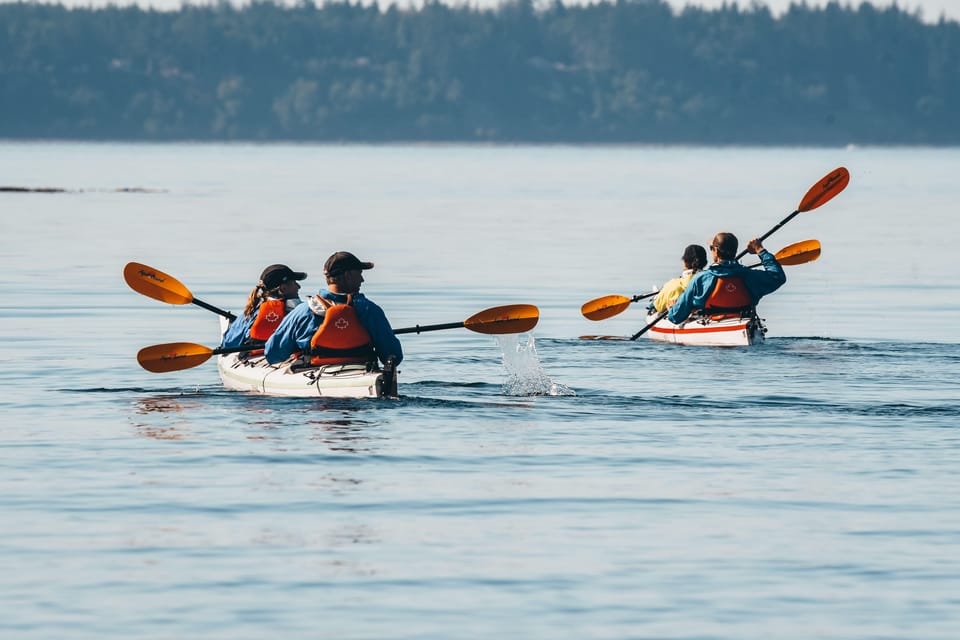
<point x="609" y="306"/>
<point x="161" y="286"/>
<point x="177" y="356"/>
<point x="821" y="193"/>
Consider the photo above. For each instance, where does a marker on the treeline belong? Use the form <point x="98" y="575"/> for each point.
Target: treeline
<point x="623" y="71"/>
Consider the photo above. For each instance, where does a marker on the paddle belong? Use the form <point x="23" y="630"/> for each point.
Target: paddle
<point x="511" y="318"/>
<point x="609" y="306"/>
<point x="821" y="193"/>
<point x="177" y="356"/>
<point x="158" y="285"/>
<point x="797" y="253"/>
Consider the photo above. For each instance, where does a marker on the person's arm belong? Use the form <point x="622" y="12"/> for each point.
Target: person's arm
<point x="374" y="320"/>
<point x="669" y="292"/>
<point x="771" y="278"/>
<point x="681" y="309"/>
<point x="283" y="343"/>
<point x="236" y="333"/>
<point x="692" y="297"/>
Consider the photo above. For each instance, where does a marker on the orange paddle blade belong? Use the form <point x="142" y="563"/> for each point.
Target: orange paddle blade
<point x="156" y="284"/>
<point x="173" y="356"/>
<point x="605" y="307"/>
<point x="799" y="253"/>
<point x="511" y="318"/>
<point x="829" y="186"/>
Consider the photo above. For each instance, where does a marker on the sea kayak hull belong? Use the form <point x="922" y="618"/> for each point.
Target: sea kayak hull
<point x="732" y="330"/>
<point x="253" y="374"/>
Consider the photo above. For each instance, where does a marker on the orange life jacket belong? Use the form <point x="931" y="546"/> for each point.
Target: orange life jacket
<point x="729" y="294"/>
<point x="268" y="318"/>
<point x="341" y="339"/>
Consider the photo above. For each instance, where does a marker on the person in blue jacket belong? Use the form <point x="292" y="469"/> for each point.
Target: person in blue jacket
<point x="702" y="291"/>
<point x="344" y="277"/>
<point x="277" y="282"/>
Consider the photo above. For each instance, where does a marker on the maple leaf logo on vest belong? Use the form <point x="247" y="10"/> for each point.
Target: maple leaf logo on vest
<point x="341" y="323"/>
<point x="731" y="287"/>
<point x="272" y="317"/>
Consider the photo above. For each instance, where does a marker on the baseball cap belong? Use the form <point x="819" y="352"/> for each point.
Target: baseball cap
<point x="344" y="261"/>
<point x="276" y="274"/>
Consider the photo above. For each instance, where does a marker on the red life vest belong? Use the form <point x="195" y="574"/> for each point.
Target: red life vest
<point x="341" y="339"/>
<point x="729" y="294"/>
<point x="268" y="318"/>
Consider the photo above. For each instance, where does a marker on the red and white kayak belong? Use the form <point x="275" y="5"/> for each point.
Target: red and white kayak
<point x="727" y="330"/>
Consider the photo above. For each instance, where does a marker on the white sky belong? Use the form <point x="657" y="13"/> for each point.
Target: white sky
<point x="932" y="9"/>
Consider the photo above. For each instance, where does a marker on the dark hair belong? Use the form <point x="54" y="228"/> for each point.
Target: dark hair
<point x="726" y="245"/>
<point x="695" y="257"/>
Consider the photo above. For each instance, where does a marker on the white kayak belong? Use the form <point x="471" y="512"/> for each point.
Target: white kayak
<point x="245" y="372"/>
<point x="287" y="379"/>
<point x="728" y="330"/>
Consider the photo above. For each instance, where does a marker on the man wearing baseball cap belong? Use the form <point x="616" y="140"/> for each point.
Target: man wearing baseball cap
<point x="344" y="272"/>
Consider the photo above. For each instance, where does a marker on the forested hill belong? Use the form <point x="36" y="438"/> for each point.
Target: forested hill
<point x="625" y="71"/>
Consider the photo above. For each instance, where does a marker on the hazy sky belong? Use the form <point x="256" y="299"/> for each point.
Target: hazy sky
<point x="931" y="8"/>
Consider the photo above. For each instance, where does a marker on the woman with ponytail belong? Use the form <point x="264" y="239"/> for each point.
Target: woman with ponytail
<point x="275" y="295"/>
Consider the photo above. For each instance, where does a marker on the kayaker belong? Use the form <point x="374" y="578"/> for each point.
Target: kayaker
<point x="301" y="331"/>
<point x="694" y="260"/>
<point x="726" y="286"/>
<point x="276" y="294"/>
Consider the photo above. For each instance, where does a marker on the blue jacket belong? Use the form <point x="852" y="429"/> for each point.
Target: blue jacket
<point x="238" y="333"/>
<point x="758" y="282"/>
<point x="297" y="329"/>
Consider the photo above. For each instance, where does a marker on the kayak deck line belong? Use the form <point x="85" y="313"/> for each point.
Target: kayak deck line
<point x="728" y="330"/>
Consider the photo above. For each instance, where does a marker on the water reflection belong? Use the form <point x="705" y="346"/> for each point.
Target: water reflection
<point x="170" y="409"/>
<point x="344" y="434"/>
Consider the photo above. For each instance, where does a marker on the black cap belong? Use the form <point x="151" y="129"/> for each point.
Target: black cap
<point x="344" y="261"/>
<point x="276" y="274"/>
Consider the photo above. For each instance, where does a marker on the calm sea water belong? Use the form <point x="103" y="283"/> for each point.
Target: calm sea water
<point x="536" y="486"/>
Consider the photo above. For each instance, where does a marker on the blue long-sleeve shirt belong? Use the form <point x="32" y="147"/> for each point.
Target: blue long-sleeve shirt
<point x="238" y="332"/>
<point x="758" y="282"/>
<point x="297" y="329"/>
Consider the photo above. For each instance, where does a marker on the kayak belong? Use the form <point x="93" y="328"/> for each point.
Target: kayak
<point x="727" y="330"/>
<point x="252" y="373"/>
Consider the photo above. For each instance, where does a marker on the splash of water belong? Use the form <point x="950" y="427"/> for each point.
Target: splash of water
<point x="525" y="376"/>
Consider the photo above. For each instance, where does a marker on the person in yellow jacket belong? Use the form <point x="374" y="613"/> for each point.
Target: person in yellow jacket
<point x="694" y="260"/>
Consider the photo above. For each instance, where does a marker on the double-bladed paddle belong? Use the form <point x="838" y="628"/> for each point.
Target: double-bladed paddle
<point x="609" y="306"/>
<point x="161" y="286"/>
<point x="177" y="356"/>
